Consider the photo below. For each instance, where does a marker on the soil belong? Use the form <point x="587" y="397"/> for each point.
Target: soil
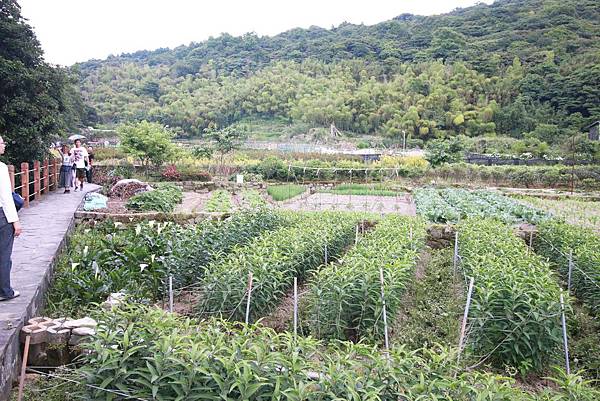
<point x="282" y="318"/>
<point x="402" y="204"/>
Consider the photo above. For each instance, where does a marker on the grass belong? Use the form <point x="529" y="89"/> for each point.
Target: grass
<point x="363" y="189"/>
<point x="287" y="191"/>
<point x="425" y="319"/>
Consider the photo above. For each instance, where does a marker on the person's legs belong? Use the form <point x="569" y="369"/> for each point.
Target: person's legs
<point x="7" y="237"/>
<point x="80" y="178"/>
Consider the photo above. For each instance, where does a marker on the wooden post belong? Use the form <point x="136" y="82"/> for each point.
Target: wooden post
<point x="11" y="175"/>
<point x="23" y="368"/>
<point x="36" y="180"/>
<point x="46" y="186"/>
<point x="25" y="182"/>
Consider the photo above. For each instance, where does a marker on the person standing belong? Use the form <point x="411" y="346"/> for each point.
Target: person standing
<point x="65" y="179"/>
<point x="90" y="165"/>
<point x="80" y="160"/>
<point x="10" y="227"/>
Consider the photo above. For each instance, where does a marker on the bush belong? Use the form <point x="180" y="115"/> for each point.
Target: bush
<point x="162" y="199"/>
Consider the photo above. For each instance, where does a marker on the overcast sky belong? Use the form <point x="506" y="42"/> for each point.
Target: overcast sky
<point x="79" y="30"/>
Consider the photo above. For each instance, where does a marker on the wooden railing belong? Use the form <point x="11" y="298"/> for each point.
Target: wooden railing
<point x="35" y="179"/>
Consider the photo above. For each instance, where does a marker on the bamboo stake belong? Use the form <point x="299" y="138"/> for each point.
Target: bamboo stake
<point x="385" y="326"/>
<point x="23" y="368"/>
<point x="570" y="272"/>
<point x="356" y="236"/>
<point x="171" y="293"/>
<point x="326" y="256"/>
<point x="463" y="327"/>
<point x="295" y="306"/>
<point x="455" y="257"/>
<point x="249" y="297"/>
<point x="564" y="330"/>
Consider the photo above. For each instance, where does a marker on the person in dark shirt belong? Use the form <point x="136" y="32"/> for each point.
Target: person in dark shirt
<point x="90" y="166"/>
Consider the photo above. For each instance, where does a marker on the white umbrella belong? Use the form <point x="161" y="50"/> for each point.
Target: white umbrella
<point x="75" y="137"/>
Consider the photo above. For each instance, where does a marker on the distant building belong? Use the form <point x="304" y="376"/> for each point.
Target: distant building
<point x="593" y="131"/>
<point x="368" y="155"/>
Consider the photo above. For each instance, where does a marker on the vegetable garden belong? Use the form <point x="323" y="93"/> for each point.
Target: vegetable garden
<point x="356" y="273"/>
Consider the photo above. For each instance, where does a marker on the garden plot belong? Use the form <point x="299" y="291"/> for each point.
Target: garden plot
<point x="580" y="212"/>
<point x="401" y="204"/>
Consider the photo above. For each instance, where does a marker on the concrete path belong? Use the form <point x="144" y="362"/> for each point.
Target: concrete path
<point x="45" y="225"/>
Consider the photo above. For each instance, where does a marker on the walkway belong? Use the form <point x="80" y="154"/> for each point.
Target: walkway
<point x="45" y="224"/>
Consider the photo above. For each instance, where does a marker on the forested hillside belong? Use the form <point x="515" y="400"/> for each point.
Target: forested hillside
<point x="512" y="68"/>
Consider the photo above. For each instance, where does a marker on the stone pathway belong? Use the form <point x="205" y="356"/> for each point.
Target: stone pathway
<point x="45" y="225"/>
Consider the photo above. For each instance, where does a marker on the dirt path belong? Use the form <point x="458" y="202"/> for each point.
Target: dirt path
<point x="282" y="318"/>
<point x="192" y="202"/>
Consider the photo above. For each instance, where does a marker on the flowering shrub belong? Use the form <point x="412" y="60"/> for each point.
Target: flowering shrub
<point x="170" y="173"/>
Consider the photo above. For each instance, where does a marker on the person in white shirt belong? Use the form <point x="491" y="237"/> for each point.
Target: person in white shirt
<point x="10" y="227"/>
<point x="80" y="161"/>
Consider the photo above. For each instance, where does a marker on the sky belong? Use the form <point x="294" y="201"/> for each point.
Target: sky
<point x="71" y="31"/>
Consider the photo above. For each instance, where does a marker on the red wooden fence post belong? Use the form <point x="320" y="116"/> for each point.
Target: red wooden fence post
<point x="56" y="174"/>
<point x="46" y="177"/>
<point x="25" y="182"/>
<point x="11" y="174"/>
<point x="36" y="180"/>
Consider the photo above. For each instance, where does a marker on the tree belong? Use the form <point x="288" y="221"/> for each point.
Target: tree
<point x="149" y="142"/>
<point x="36" y="100"/>
<point x="226" y="140"/>
<point x="440" y="151"/>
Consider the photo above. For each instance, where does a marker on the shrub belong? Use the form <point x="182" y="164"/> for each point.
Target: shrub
<point x="170" y="173"/>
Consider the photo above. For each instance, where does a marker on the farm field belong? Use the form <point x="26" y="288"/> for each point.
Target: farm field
<point x="401" y="203"/>
<point x="366" y="276"/>
<point x="578" y="212"/>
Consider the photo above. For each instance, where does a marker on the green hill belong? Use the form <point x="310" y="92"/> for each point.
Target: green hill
<point x="511" y="68"/>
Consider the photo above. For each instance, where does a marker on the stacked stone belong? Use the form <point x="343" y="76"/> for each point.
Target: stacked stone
<point x="50" y="339"/>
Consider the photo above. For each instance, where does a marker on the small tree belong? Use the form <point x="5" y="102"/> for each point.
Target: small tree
<point x="226" y="140"/>
<point x="440" y="151"/>
<point x="149" y="142"/>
